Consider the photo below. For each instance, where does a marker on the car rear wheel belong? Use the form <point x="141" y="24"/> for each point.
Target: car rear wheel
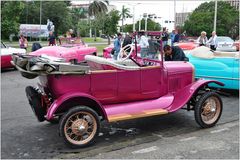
<point x="79" y="126"/>
<point x="208" y="109"/>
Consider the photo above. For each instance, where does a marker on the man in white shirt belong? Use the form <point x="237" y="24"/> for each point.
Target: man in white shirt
<point x="143" y="42"/>
<point x="213" y="41"/>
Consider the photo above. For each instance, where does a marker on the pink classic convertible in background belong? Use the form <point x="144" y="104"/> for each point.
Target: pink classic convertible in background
<point x="103" y="89"/>
<point x="73" y="54"/>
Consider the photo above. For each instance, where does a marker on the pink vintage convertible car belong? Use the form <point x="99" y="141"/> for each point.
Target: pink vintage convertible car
<point x="73" y="54"/>
<point x="103" y="89"/>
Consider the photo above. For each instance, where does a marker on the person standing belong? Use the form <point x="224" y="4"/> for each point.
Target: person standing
<point x="213" y="41"/>
<point x="176" y="37"/>
<point x="202" y="39"/>
<point x="153" y="48"/>
<point x="144" y="45"/>
<point x="51" y="39"/>
<point x="174" y="53"/>
<point x="164" y="36"/>
<point x="117" y="46"/>
<point x="172" y="36"/>
<point x="127" y="40"/>
<point x="23" y="43"/>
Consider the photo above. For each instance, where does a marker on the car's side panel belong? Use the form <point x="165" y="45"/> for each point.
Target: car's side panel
<point x="6" y="61"/>
<point x="129" y="85"/>
<point x="104" y="85"/>
<point x="61" y="84"/>
<point x="219" y="69"/>
<point x="151" y="82"/>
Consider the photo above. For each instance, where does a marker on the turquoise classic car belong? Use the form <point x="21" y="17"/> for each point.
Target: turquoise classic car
<point x="220" y="66"/>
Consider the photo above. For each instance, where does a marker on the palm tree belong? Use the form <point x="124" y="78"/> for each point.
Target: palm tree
<point x="96" y="8"/>
<point x="125" y="13"/>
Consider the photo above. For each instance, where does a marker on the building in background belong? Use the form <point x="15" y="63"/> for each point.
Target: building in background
<point x="181" y="18"/>
<point x="234" y="3"/>
<point x="169" y="24"/>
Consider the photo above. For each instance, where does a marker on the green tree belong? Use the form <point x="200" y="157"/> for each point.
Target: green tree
<point x="79" y="22"/>
<point x="151" y="26"/>
<point x="108" y="23"/>
<point x="96" y="8"/>
<point x="30" y="14"/>
<point x="58" y="13"/>
<point x="202" y="19"/>
<point x="82" y="27"/>
<point x="125" y="13"/>
<point x="10" y="17"/>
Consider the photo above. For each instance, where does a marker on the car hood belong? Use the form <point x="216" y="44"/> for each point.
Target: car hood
<point x="55" y="51"/>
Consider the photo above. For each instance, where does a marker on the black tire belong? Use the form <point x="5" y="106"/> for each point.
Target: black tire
<point x="204" y="109"/>
<point x="34" y="99"/>
<point x="88" y="119"/>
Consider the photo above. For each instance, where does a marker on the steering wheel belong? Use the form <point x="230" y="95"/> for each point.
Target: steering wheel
<point x="124" y="54"/>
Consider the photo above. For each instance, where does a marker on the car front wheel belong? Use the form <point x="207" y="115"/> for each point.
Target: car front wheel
<point x="79" y="126"/>
<point x="208" y="109"/>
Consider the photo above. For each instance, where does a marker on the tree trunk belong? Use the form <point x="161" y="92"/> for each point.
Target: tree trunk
<point x="122" y="25"/>
<point x="95" y="34"/>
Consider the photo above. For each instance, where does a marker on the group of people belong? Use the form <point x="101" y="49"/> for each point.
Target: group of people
<point x="203" y="40"/>
<point x="151" y="47"/>
<point x="23" y="42"/>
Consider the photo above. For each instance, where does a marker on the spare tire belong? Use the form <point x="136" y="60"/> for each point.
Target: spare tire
<point x="34" y="99"/>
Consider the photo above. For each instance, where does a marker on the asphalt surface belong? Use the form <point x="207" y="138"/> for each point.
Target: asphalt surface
<point x="174" y="135"/>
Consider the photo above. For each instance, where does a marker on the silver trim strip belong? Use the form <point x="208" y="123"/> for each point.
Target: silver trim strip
<point x="201" y="76"/>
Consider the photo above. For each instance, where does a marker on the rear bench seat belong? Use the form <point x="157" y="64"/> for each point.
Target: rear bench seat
<point x="99" y="63"/>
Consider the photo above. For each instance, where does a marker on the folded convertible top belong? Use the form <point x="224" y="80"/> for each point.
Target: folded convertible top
<point x="33" y="66"/>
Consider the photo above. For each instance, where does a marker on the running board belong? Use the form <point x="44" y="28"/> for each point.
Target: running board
<point x="145" y="113"/>
<point x="138" y="109"/>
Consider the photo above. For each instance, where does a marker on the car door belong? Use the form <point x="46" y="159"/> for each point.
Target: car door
<point x="151" y="81"/>
<point x="104" y="85"/>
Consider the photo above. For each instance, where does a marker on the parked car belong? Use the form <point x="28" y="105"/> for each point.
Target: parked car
<point x="115" y="91"/>
<point x="73" y="54"/>
<point x="6" y="55"/>
<point x="186" y="46"/>
<point x="220" y="66"/>
<point x="225" y="44"/>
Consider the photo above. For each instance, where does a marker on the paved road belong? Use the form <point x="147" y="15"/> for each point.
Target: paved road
<point x="23" y="137"/>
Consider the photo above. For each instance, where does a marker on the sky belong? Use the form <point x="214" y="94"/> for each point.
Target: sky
<point x="164" y="9"/>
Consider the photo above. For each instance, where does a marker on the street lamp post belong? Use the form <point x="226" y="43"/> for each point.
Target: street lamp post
<point x="40" y="19"/>
<point x="139" y="25"/>
<point x="215" y="16"/>
<point x="134" y="18"/>
<point x="145" y="16"/>
<point x="134" y="28"/>
<point x="174" y="14"/>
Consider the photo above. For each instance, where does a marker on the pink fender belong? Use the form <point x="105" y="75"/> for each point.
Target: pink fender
<point x="58" y="102"/>
<point x="183" y="96"/>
